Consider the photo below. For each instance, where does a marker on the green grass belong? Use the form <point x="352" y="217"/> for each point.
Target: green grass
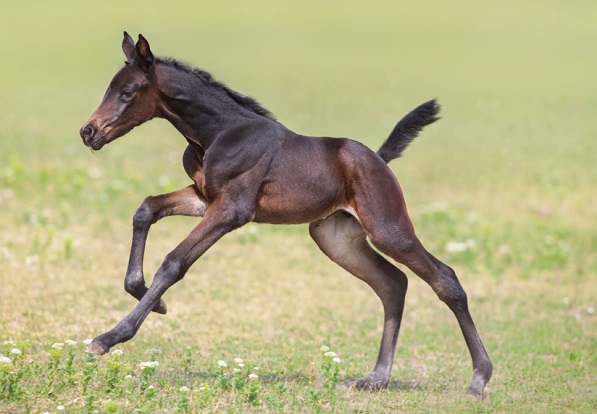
<point x="510" y="167"/>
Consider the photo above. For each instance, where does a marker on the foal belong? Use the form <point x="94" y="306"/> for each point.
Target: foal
<point x="247" y="167"/>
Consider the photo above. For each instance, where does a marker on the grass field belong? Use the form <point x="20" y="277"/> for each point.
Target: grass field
<point x="511" y="167"/>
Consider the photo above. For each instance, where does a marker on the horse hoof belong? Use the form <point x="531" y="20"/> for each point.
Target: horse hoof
<point x="369" y="383"/>
<point x="160" y="308"/>
<point x="96" y="349"/>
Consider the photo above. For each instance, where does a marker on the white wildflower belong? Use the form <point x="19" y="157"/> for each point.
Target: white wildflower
<point x="459" y="247"/>
<point x="184" y="389"/>
<point x="88" y="341"/>
<point x="241" y="365"/>
<point x="15" y="351"/>
<point x="70" y="342"/>
<point x="58" y="345"/>
<point x="117" y="352"/>
<point x="238" y="360"/>
<point x="325" y="348"/>
<point x="590" y="310"/>
<point x="337" y="360"/>
<point x="330" y="354"/>
<point x="151" y="387"/>
<point x="566" y="300"/>
<point x="31" y="260"/>
<point x="149" y="364"/>
<point x="9" y="342"/>
<point x="256" y="368"/>
<point x="5" y="360"/>
<point x="253" y="376"/>
<point x="237" y="370"/>
<point x="60" y="408"/>
<point x="578" y="316"/>
<point x="128" y="377"/>
<point x="222" y="364"/>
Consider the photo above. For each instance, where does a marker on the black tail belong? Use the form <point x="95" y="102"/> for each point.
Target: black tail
<point x="407" y="129"/>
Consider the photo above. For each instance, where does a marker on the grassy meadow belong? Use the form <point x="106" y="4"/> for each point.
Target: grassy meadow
<point x="503" y="189"/>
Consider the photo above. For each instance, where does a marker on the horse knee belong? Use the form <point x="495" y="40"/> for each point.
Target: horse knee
<point x="143" y="217"/>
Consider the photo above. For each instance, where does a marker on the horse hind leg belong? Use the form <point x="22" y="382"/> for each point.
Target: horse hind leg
<point x="404" y="247"/>
<point x="343" y="240"/>
<point x="185" y="202"/>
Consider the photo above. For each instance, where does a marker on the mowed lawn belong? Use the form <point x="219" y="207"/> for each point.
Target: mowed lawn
<point x="503" y="189"/>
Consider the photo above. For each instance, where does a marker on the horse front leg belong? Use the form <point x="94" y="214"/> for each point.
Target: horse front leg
<point x="186" y="202"/>
<point x="220" y="218"/>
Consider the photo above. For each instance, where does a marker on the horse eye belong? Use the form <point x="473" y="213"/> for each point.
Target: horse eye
<point x="126" y="94"/>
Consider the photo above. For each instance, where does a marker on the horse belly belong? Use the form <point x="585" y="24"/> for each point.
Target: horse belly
<point x="298" y="203"/>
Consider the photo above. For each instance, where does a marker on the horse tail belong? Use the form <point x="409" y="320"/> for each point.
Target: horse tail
<point x="407" y="129"/>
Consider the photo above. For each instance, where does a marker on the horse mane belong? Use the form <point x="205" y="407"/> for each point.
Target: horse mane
<point x="243" y="100"/>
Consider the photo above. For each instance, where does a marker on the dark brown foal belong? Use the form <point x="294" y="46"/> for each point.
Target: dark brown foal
<point x="246" y="167"/>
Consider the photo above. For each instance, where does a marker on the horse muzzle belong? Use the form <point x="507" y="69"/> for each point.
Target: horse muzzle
<point x="91" y="137"/>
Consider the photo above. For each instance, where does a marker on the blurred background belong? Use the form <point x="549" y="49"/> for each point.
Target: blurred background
<point x="503" y="188"/>
<point x="516" y="80"/>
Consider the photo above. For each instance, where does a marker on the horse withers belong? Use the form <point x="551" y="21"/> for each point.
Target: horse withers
<point x="246" y="166"/>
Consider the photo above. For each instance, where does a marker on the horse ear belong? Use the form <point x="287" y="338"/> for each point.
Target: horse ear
<point x="128" y="47"/>
<point x="145" y="57"/>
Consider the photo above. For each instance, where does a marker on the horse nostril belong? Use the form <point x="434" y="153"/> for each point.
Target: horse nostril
<point x="87" y="132"/>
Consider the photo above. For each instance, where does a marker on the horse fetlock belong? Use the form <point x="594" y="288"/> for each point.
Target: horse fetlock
<point x="134" y="283"/>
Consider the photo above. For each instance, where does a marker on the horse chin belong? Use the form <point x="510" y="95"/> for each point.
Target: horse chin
<point x="98" y="144"/>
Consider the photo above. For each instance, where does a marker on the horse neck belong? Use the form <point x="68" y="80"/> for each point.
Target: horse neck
<point x="197" y="110"/>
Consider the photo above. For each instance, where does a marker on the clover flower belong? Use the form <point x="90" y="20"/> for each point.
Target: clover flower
<point x="15" y="351"/>
<point x="337" y="360"/>
<point x="70" y="342"/>
<point x="58" y="345"/>
<point x="238" y="360"/>
<point x="253" y="376"/>
<point x="330" y="354"/>
<point x="5" y="360"/>
<point x="222" y="364"/>
<point x="117" y="352"/>
<point x="325" y="348"/>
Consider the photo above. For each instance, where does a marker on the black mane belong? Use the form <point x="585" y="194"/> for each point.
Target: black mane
<point x="245" y="101"/>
